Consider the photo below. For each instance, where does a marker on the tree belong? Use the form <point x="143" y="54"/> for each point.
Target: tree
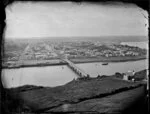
<point x="98" y="76"/>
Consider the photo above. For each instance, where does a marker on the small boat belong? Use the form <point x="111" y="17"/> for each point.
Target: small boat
<point x="104" y="63"/>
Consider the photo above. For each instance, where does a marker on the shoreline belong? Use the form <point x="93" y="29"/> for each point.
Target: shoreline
<point x="76" y="61"/>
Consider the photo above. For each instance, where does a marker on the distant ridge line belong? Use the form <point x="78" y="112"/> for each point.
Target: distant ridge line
<point x="90" y="38"/>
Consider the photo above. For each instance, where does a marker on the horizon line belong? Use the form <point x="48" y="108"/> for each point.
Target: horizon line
<point x="75" y="36"/>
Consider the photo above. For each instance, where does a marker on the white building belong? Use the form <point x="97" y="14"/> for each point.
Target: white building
<point x="129" y="75"/>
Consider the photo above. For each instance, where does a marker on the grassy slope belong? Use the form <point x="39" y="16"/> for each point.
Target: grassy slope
<point x="43" y="99"/>
<point x="141" y="75"/>
<point x="116" y="103"/>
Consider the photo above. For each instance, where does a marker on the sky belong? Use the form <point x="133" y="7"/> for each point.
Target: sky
<point x="60" y="19"/>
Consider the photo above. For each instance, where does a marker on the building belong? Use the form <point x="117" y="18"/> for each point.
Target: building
<point x="129" y="75"/>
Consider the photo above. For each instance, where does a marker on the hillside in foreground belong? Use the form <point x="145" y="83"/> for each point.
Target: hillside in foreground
<point x="95" y="95"/>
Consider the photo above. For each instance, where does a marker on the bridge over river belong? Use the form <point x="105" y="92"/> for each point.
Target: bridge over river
<point x="80" y="73"/>
<point x="76" y="69"/>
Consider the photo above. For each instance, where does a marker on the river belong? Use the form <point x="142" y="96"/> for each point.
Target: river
<point x="58" y="75"/>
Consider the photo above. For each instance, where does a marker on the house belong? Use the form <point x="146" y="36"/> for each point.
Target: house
<point x="129" y="75"/>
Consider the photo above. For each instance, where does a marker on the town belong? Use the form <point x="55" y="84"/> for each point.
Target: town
<point x="44" y="50"/>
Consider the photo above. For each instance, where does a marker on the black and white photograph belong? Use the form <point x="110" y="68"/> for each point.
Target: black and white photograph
<point x="75" y="57"/>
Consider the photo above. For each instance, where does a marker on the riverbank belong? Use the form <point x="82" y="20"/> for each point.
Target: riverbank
<point x="41" y="63"/>
<point x="95" y="95"/>
<point x="108" y="59"/>
<point x="35" y="63"/>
